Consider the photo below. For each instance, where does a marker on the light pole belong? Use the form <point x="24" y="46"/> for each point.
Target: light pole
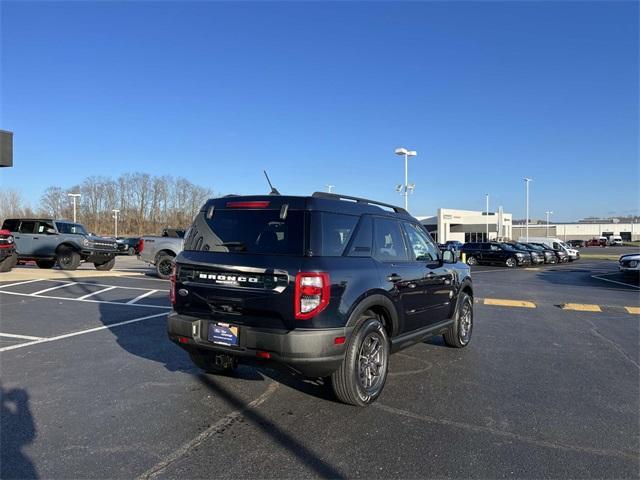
<point x="406" y="187"/>
<point x="329" y="188"/>
<point x="487" y="219"/>
<point x="74" y="196"/>
<point x="115" y="216"/>
<point x="548" y="212"/>
<point x="526" y="181"/>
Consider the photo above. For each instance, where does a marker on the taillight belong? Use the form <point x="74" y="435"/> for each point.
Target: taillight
<point x="254" y="204"/>
<point x="140" y="245"/>
<point x="172" y="288"/>
<point x="312" y="294"/>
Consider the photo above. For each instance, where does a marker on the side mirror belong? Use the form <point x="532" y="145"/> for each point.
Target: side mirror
<point x="449" y="256"/>
<point x="51" y="231"/>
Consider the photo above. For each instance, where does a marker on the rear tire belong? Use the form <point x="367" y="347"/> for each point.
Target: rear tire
<point x="106" y="265"/>
<point x="45" y="263"/>
<point x="472" y="261"/>
<point x="459" y="334"/>
<point x="8" y="263"/>
<point x="164" y="265"/>
<point x="68" y="259"/>
<point x="361" y="377"/>
<point x="215" y="363"/>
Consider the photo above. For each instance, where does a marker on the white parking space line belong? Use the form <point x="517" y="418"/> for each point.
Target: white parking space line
<point x="84" y="297"/>
<point x="22" y="337"/>
<point x="78" y="300"/>
<point x="81" y="332"/>
<point x="104" y="285"/>
<point x="599" y="277"/>
<point x="54" y="288"/>
<point x="140" y="297"/>
<point x="22" y="283"/>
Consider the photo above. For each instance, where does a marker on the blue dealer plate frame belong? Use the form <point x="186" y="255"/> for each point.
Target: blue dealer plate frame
<point x="223" y="334"/>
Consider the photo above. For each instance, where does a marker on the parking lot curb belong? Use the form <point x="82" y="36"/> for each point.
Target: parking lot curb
<point x="582" y="307"/>
<point x="509" y="303"/>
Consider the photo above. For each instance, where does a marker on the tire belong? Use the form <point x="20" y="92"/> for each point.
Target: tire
<point x="459" y="334"/>
<point x="207" y="362"/>
<point x="106" y="265"/>
<point x="164" y="265"/>
<point x="68" y="259"/>
<point x="45" y="263"/>
<point x="8" y="263"/>
<point x="472" y="261"/>
<point x="131" y="251"/>
<point x="356" y="382"/>
<point x="510" y="262"/>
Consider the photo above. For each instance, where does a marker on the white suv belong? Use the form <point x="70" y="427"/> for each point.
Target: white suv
<point x="630" y="263"/>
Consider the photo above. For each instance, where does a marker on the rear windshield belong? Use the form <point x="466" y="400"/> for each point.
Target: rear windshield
<point x="257" y="231"/>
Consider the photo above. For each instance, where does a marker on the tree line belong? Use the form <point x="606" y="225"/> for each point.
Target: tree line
<point x="147" y="203"/>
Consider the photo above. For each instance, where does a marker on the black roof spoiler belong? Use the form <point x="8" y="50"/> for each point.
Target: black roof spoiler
<point x="337" y="196"/>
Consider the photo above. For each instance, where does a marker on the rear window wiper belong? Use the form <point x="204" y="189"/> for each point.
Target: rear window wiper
<point x="238" y="245"/>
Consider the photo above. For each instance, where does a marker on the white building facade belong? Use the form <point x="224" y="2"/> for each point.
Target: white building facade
<point x="468" y="225"/>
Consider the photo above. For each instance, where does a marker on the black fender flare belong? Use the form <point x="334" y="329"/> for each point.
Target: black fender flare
<point x="71" y="245"/>
<point x="376" y="300"/>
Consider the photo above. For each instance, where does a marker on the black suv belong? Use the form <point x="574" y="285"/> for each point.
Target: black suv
<point x="495" y="252"/>
<point x="327" y="285"/>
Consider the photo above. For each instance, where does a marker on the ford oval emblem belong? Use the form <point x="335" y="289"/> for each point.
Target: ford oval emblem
<point x="183" y="292"/>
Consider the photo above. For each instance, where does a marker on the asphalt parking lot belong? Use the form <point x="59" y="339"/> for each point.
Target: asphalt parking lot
<point x="548" y="387"/>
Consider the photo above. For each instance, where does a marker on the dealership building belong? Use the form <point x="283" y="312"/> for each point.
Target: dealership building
<point x="472" y="226"/>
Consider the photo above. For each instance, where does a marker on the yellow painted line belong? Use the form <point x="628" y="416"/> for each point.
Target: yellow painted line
<point x="509" y="303"/>
<point x="633" y="310"/>
<point x="581" y="307"/>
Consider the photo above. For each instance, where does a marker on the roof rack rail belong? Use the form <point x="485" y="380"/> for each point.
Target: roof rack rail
<point x="337" y="196"/>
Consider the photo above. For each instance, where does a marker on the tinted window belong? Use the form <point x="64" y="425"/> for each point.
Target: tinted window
<point x="424" y="250"/>
<point x="11" y="225"/>
<point x="331" y="232"/>
<point x="254" y="231"/>
<point x="388" y="244"/>
<point x="43" y="226"/>
<point x="72" y="228"/>
<point x="27" y="226"/>
<point x="361" y="244"/>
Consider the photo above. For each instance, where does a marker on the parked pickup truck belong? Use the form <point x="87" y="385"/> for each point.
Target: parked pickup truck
<point x="161" y="251"/>
<point x="49" y="242"/>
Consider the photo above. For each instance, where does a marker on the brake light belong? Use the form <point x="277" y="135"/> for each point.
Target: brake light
<point x="172" y="288"/>
<point x="140" y="245"/>
<point x="259" y="204"/>
<point x="312" y="294"/>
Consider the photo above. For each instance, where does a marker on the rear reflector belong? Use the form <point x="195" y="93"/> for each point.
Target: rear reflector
<point x="183" y="340"/>
<point x="260" y="204"/>
<point x="261" y="354"/>
<point x="339" y="340"/>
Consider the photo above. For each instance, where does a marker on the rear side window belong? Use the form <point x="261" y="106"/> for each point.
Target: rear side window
<point x="71" y="228"/>
<point x="27" y="226"/>
<point x="43" y="226"/>
<point x="361" y="243"/>
<point x="252" y="231"/>
<point x="11" y="225"/>
<point x="388" y="243"/>
<point x="331" y="232"/>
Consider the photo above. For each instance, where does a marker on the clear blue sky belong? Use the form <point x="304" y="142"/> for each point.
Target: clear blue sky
<point x="317" y="93"/>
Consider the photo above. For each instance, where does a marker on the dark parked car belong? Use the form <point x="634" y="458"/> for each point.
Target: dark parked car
<point x="548" y="253"/>
<point x="561" y="255"/>
<point x="128" y="246"/>
<point x="8" y="256"/>
<point x="63" y="242"/>
<point x="453" y="245"/>
<point x="494" y="253"/>
<point x="537" y="257"/>
<point x="327" y="285"/>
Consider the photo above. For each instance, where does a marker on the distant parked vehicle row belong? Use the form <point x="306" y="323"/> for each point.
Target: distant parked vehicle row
<point x="513" y="254"/>
<point x="128" y="246"/>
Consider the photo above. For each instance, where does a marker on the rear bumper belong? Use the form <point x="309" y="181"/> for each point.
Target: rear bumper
<point x="311" y="352"/>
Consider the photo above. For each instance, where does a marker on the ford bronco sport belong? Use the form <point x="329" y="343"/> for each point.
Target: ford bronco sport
<point x="327" y="285"/>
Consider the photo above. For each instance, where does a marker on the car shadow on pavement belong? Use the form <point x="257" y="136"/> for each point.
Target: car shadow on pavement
<point x="306" y="457"/>
<point x="17" y="430"/>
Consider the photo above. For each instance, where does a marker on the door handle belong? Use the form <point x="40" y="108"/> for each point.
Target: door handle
<point x="394" y="277"/>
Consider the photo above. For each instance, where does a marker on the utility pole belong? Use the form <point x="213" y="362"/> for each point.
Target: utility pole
<point x="329" y="188"/>
<point x="487" y="197"/>
<point x="406" y="188"/>
<point x="115" y="216"/>
<point x="74" y="196"/>
<point x="526" y="181"/>
<point x="548" y="212"/>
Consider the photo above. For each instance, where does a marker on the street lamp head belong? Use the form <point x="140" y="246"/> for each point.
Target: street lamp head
<point x="527" y="179"/>
<point x="401" y="151"/>
<point x="398" y="188"/>
<point x="412" y="153"/>
<point x="411" y="187"/>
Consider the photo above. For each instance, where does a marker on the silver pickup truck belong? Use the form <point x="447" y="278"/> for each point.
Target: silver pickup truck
<point x="161" y="251"/>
